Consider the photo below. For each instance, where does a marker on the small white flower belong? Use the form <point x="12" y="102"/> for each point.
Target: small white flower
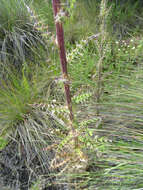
<point x="75" y="50"/>
<point x="117" y="42"/>
<point x="133" y="47"/>
<point x="81" y="54"/>
<point x="132" y="40"/>
<point x="84" y="41"/>
<point x="118" y="49"/>
<point x="79" y="45"/>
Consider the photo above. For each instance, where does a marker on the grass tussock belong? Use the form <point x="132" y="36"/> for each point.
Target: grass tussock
<point x="19" y="39"/>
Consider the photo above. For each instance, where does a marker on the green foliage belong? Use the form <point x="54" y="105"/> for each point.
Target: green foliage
<point x="12" y="14"/>
<point x="81" y="98"/>
<point x="81" y="60"/>
<point x="123" y="55"/>
<point x="44" y="13"/>
<point x="125" y="17"/>
<point x="81" y="23"/>
<point x="18" y="92"/>
<point x="14" y="99"/>
<point x="109" y="151"/>
<point x="85" y="123"/>
<point x="19" y="40"/>
<point x="3" y="143"/>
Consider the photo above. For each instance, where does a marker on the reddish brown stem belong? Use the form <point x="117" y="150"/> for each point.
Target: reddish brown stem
<point x="62" y="52"/>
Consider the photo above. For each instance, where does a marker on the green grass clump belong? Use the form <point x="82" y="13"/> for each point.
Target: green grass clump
<point x="18" y="91"/>
<point x="3" y="143"/>
<point x="19" y="40"/>
<point x="12" y="14"/>
<point x="126" y="18"/>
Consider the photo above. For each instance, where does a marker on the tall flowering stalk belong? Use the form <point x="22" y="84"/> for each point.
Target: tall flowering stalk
<point x="58" y="15"/>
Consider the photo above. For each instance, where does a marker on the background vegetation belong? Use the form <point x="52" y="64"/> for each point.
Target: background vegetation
<point x="104" y="44"/>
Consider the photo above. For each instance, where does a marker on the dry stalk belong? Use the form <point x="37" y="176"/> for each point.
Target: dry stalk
<point x="101" y="48"/>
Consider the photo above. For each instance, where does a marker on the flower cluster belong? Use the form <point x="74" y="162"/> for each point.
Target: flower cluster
<point x="76" y="52"/>
<point x="126" y="46"/>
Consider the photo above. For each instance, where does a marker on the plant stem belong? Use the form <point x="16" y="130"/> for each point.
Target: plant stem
<point x="63" y="60"/>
